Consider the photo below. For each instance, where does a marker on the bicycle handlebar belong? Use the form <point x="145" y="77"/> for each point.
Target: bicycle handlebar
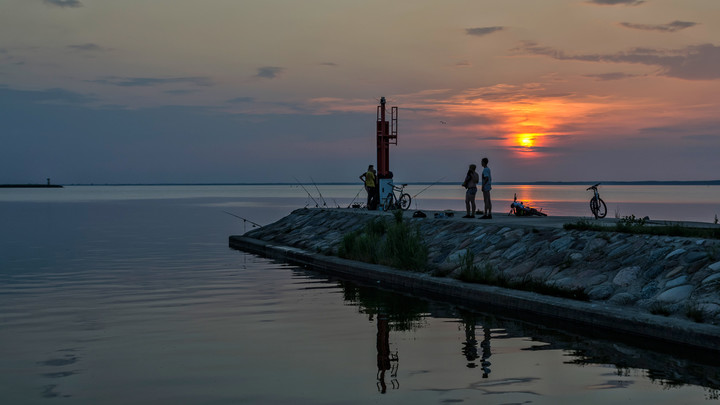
<point x="592" y="187"/>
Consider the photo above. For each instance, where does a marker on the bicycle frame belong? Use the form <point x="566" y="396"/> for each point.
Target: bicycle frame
<point x="597" y="205"/>
<point x="392" y="201"/>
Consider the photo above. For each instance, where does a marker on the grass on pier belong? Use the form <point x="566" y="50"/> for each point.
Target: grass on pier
<point x="633" y="225"/>
<point x="393" y="243"/>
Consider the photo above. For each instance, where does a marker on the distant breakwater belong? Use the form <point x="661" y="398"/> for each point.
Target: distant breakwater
<point x="674" y="276"/>
<point x="30" y="186"/>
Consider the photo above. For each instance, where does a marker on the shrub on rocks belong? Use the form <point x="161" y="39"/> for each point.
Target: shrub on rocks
<point x="397" y="244"/>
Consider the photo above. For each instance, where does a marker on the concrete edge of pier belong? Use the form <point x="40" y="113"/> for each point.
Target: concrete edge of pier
<point x="590" y="317"/>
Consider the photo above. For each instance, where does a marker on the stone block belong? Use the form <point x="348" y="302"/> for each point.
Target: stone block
<point x="626" y="276"/>
<point x="622" y="298"/>
<point x="676" y="294"/>
<point x="562" y="244"/>
<point x="676" y="252"/>
<point x="676" y="281"/>
<point x="601" y="292"/>
<point x="695" y="256"/>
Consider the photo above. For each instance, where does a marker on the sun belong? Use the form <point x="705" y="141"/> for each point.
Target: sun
<point x="526" y="140"/>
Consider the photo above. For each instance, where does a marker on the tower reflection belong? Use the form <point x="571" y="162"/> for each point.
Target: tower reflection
<point x="390" y="312"/>
<point x="386" y="361"/>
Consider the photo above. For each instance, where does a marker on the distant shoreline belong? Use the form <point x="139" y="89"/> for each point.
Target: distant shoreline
<point x="499" y="183"/>
<point x="30" y="186"/>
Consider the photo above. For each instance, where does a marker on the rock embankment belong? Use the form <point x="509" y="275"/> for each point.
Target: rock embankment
<point x="661" y="274"/>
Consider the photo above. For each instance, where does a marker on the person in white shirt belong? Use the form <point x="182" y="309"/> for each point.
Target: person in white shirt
<point x="486" y="187"/>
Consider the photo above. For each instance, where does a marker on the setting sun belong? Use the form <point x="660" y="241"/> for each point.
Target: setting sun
<point x="527" y="143"/>
<point x="526" y="140"/>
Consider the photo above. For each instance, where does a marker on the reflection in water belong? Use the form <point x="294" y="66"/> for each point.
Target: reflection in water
<point x="396" y="312"/>
<point x="385" y="359"/>
<point x="391" y="312"/>
<point x="470" y="345"/>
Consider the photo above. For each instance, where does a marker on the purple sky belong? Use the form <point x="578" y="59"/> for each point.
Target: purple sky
<point x="264" y="91"/>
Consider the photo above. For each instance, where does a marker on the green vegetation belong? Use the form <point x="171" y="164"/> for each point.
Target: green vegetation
<point x="472" y="273"/>
<point x="392" y="243"/>
<point x="658" y="308"/>
<point x="633" y="225"/>
<point x="695" y="313"/>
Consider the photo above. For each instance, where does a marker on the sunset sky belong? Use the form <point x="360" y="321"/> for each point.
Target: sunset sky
<point x="224" y="91"/>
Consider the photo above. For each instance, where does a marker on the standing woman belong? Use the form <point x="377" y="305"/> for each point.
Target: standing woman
<point x="471" y="181"/>
<point x="370" y="183"/>
<point x="486" y="187"/>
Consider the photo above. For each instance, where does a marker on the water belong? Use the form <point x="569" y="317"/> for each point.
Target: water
<point x="131" y="295"/>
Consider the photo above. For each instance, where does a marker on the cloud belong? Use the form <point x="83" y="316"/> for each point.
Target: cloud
<point x="180" y="91"/>
<point x="611" y="76"/>
<point x="670" y="27"/>
<point x="7" y="57"/>
<point x="331" y="64"/>
<point x="482" y="31"/>
<point x="269" y="72"/>
<point x="490" y="138"/>
<point x="64" y="3"/>
<point x="152" y="81"/>
<point x="616" y="2"/>
<point x="55" y="95"/>
<point x="241" y="100"/>
<point x="698" y="131"/>
<point x="696" y="62"/>
<point x="89" y="47"/>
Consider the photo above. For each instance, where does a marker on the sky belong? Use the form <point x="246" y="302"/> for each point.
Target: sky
<point x="245" y="91"/>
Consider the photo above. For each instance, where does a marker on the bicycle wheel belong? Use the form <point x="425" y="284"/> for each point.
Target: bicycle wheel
<point x="594" y="207"/>
<point x="389" y="202"/>
<point x="602" y="208"/>
<point x="405" y="201"/>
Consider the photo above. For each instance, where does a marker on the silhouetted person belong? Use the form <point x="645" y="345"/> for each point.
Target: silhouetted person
<point x="471" y="181"/>
<point x="370" y="180"/>
<point x="486" y="187"/>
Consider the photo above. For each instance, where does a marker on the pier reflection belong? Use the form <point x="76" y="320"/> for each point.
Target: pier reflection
<point x="393" y="312"/>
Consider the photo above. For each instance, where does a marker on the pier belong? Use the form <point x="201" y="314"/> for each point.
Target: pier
<point x="626" y="277"/>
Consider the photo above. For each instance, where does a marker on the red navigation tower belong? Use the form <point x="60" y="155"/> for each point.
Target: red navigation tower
<point x="386" y="135"/>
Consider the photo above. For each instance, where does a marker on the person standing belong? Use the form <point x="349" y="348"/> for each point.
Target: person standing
<point x="486" y="187"/>
<point x="370" y="181"/>
<point x="472" y="178"/>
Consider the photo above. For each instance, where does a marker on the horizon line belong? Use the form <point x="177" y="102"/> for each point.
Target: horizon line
<point x="500" y="183"/>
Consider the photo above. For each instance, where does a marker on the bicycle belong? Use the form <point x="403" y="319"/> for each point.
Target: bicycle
<point x="597" y="205"/>
<point x="394" y="203"/>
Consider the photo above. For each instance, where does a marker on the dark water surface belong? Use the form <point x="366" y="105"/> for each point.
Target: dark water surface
<point x="112" y="295"/>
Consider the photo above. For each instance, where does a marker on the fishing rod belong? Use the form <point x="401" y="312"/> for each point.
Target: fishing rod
<point x="418" y="193"/>
<point x="318" y="190"/>
<point x="356" y="195"/>
<point x="244" y="219"/>
<point x="308" y="193"/>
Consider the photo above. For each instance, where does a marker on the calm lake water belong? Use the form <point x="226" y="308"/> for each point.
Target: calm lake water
<point x="130" y="295"/>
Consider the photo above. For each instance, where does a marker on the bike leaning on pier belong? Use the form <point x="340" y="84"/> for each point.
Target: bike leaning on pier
<point x="597" y="205"/>
<point x="397" y="203"/>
